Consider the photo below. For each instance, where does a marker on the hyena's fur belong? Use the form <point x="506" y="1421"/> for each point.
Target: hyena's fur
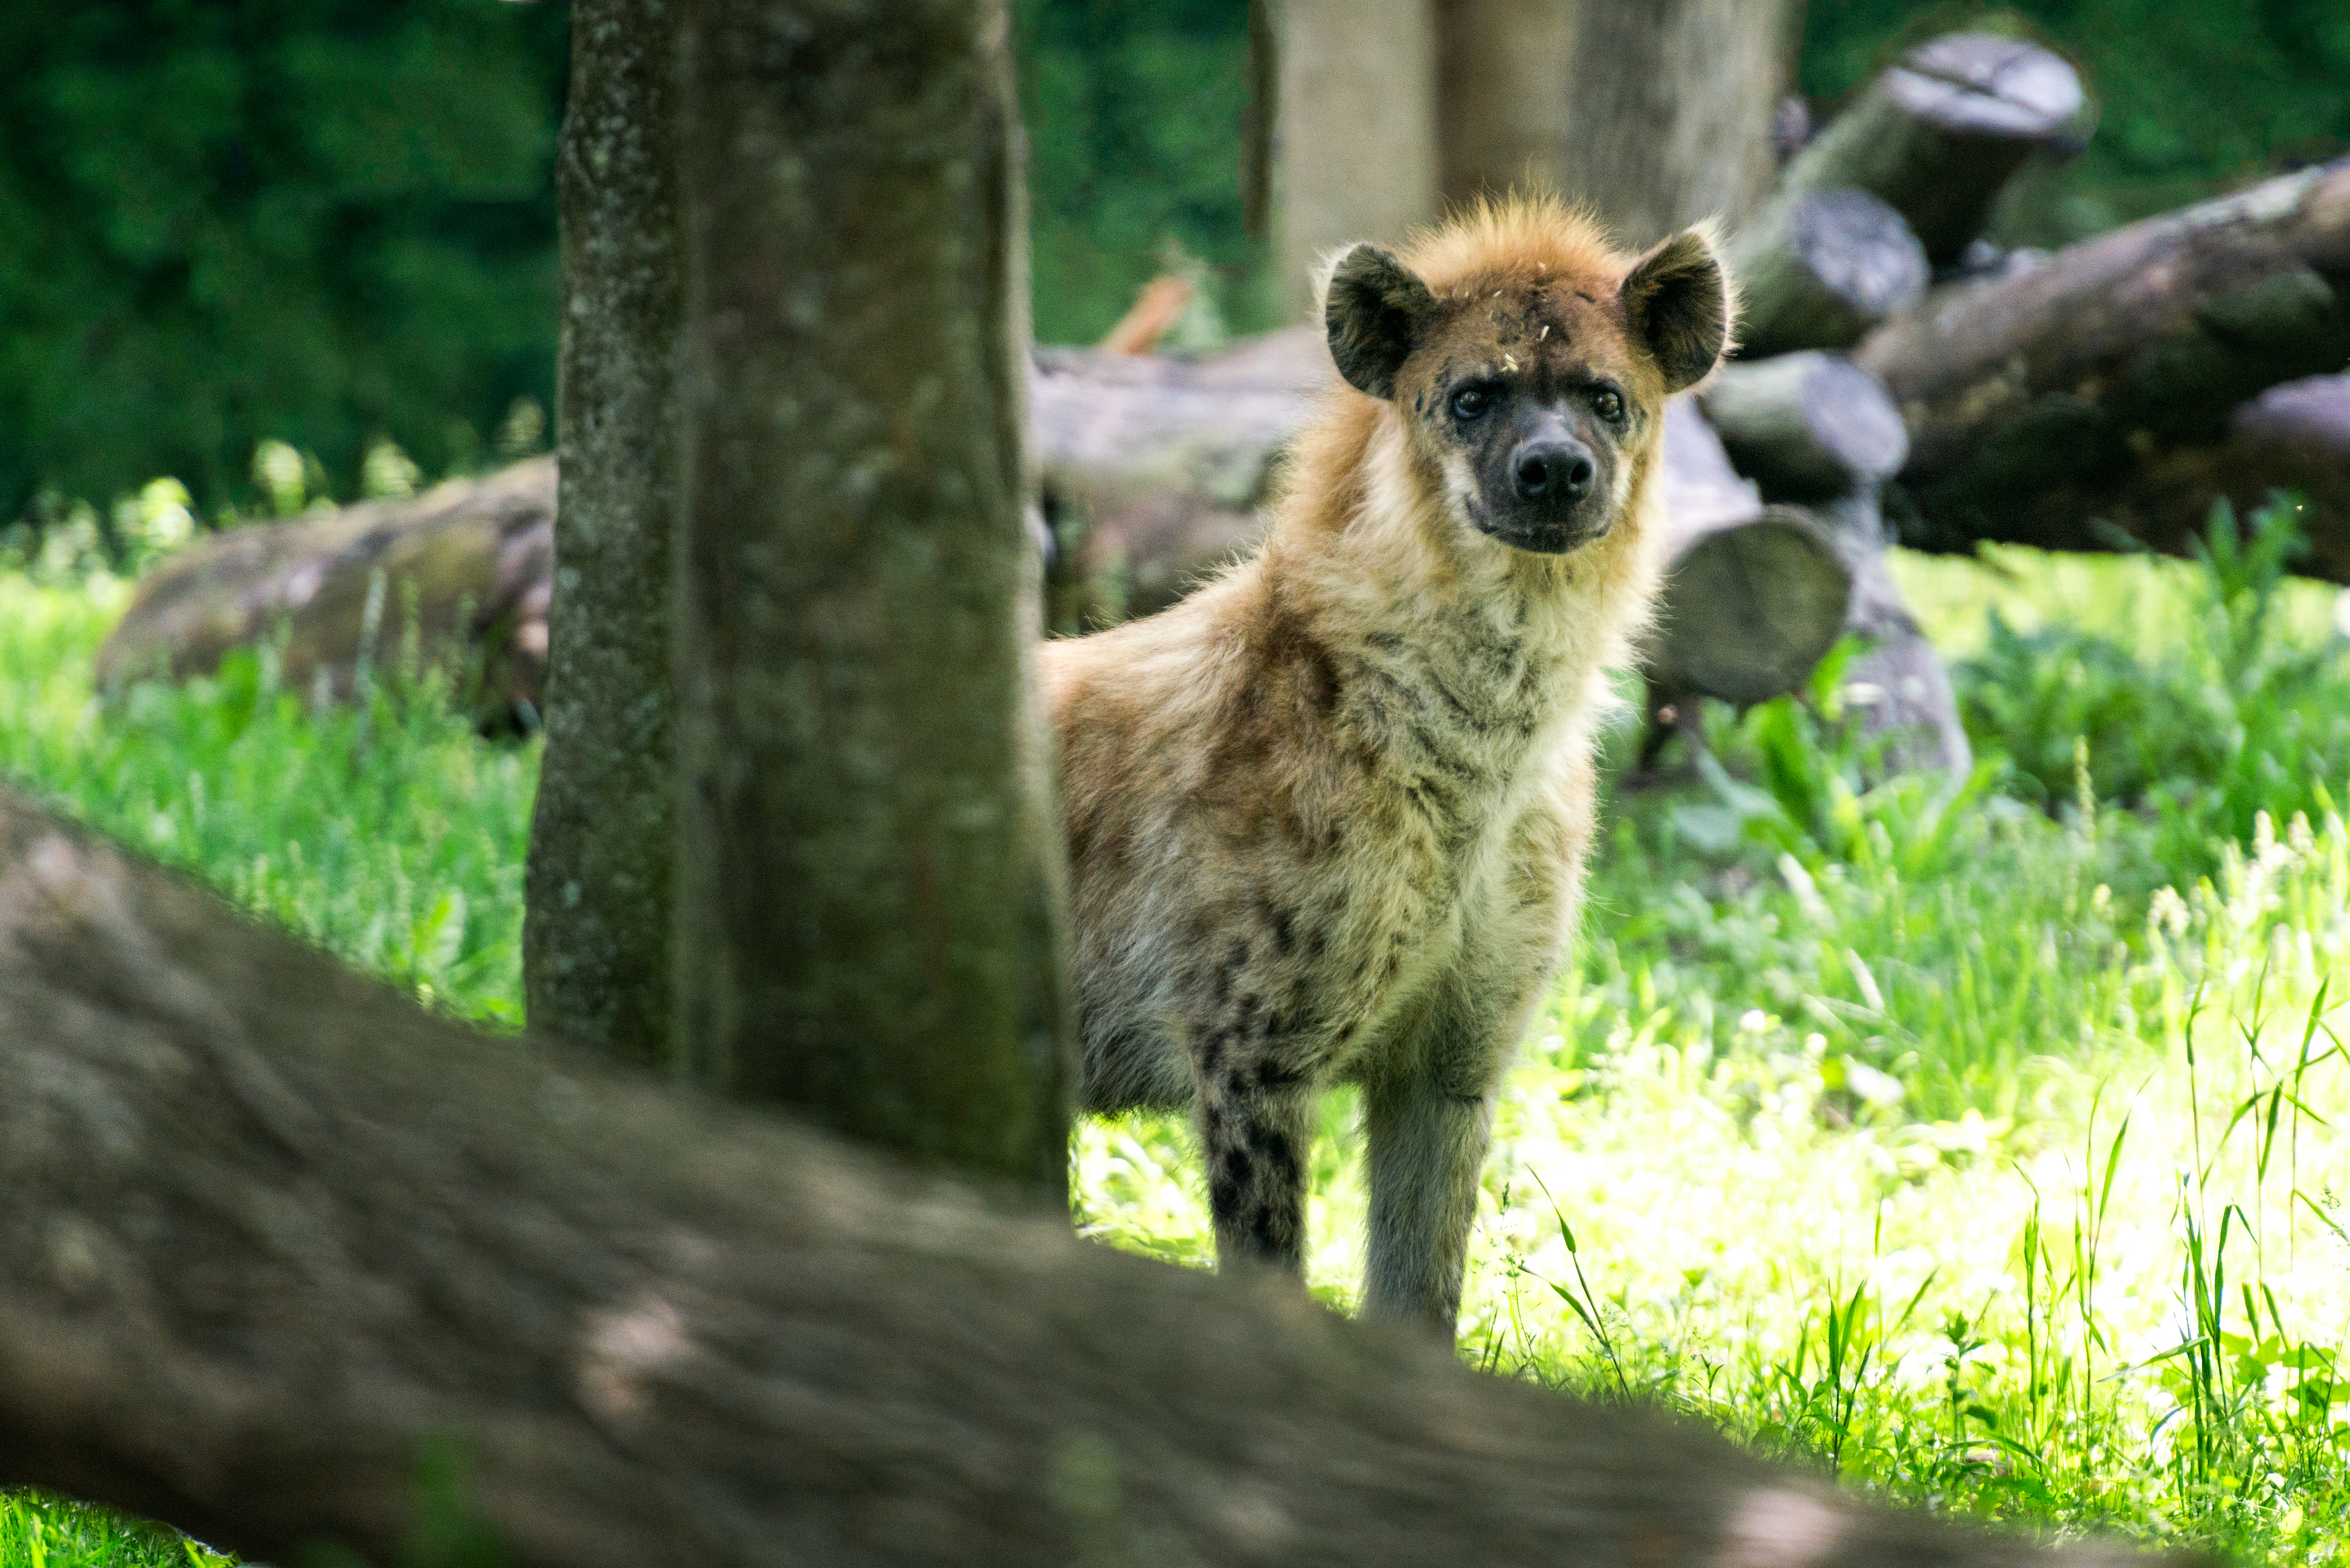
<point x="1328" y="817"/>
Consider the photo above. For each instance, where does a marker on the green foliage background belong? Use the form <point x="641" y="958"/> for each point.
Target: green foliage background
<point x="221" y="220"/>
<point x="332" y="223"/>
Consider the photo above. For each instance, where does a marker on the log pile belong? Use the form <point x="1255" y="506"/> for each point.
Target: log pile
<point x="2120" y="380"/>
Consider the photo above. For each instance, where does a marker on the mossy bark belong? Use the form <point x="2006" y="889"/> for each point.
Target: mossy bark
<point x="597" y="921"/>
<point x="869" y="901"/>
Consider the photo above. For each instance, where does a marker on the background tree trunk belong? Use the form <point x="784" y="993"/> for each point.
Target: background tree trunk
<point x="1354" y="140"/>
<point x="1657" y="114"/>
<point x="596" y="927"/>
<point x="274" y="1235"/>
<point x="869" y="896"/>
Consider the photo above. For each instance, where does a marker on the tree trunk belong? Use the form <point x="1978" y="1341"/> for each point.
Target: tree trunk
<point x="868" y="891"/>
<point x="1658" y="115"/>
<point x="2031" y="396"/>
<point x="596" y="927"/>
<point x="1936" y="137"/>
<point x="279" y="1243"/>
<point x="1354" y="146"/>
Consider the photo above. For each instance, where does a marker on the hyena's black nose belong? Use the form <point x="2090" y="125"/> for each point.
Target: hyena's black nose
<point x="1553" y="469"/>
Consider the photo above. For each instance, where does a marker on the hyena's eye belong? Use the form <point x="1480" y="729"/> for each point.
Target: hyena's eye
<point x="1608" y="403"/>
<point x="1471" y="401"/>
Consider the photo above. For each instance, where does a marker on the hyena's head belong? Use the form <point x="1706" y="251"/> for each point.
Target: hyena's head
<point x="1529" y="361"/>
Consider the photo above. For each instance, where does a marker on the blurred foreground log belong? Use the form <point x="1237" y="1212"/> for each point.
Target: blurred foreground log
<point x="275" y="1238"/>
<point x="2041" y="401"/>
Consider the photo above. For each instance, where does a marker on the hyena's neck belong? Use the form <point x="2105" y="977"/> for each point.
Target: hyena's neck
<point x="1454" y="643"/>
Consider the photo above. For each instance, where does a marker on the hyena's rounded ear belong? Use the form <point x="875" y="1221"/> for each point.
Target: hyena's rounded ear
<point x="1677" y="301"/>
<point x="1375" y="312"/>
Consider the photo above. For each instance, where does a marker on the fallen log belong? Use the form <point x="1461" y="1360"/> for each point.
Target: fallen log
<point x="2032" y="397"/>
<point x="1167" y="460"/>
<point x="1154" y="467"/>
<point x="1936" y="137"/>
<point x="473" y="561"/>
<point x="1806" y="427"/>
<point x="1819" y="268"/>
<point x="2293" y="439"/>
<point x="1756" y="595"/>
<point x="275" y="1238"/>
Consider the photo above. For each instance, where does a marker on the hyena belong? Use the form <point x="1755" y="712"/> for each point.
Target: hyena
<point x="1327" y="816"/>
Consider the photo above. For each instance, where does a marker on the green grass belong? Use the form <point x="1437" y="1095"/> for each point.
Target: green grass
<point x="1981" y="1146"/>
<point x="38" y="1531"/>
<point x="387" y="833"/>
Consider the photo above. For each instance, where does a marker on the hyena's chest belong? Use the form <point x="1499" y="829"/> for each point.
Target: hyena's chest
<point x="1442" y="838"/>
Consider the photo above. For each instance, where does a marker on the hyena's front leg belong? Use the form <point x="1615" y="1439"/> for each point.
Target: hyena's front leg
<point x="1428" y="1120"/>
<point x="1427" y="1145"/>
<point x="1256" y="1122"/>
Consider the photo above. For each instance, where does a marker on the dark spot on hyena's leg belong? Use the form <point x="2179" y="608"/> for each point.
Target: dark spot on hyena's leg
<point x="1224" y="1194"/>
<point x="1212" y="1046"/>
<point x="1244" y="1016"/>
<point x="1234" y="961"/>
<point x="1284" y="936"/>
<point x="1279" y="1155"/>
<point x="1255" y="1179"/>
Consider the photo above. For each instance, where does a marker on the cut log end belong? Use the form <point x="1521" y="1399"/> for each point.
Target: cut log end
<point x="1822" y="267"/>
<point x="1981" y="84"/>
<point x="1808" y="426"/>
<point x="1937" y="135"/>
<point x="1860" y="249"/>
<point x="1749" y="611"/>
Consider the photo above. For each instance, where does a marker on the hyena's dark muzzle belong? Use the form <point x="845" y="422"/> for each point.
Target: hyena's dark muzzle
<point x="1542" y="486"/>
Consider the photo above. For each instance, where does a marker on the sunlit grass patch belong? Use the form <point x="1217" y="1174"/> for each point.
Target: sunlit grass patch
<point x="1822" y="1136"/>
<point x="387" y="832"/>
<point x="37" y="1530"/>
